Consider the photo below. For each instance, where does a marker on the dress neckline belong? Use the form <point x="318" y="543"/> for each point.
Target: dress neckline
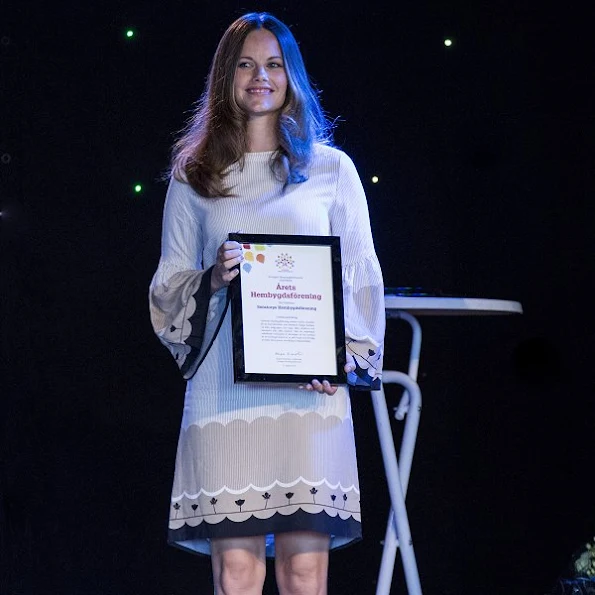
<point x="258" y="154"/>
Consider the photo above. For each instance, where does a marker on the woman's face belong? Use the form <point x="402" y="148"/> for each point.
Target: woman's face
<point x="260" y="82"/>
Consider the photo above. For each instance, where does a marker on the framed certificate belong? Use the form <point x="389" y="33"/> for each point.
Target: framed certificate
<point x="287" y="310"/>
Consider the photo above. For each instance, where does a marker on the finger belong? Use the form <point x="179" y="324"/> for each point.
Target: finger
<point x="230" y="274"/>
<point x="222" y="277"/>
<point x="228" y="255"/>
<point x="231" y="245"/>
<point x="228" y="247"/>
<point x="323" y="387"/>
<point x="227" y="276"/>
<point x="228" y="265"/>
<point x="317" y="386"/>
<point x="229" y="260"/>
<point x="328" y="388"/>
<point x="349" y="362"/>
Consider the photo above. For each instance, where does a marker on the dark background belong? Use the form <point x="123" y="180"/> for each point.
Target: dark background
<point x="485" y="154"/>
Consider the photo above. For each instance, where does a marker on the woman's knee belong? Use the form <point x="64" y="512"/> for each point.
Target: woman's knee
<point x="302" y="564"/>
<point x="238" y="567"/>
<point x="241" y="572"/>
<point x="303" y="574"/>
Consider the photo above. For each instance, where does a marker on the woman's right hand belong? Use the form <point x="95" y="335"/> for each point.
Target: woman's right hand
<point x="229" y="255"/>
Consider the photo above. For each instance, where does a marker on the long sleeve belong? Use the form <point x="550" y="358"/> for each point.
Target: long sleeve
<point x="363" y="288"/>
<point x="183" y="313"/>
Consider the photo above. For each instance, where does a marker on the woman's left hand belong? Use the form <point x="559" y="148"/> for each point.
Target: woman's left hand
<point x="325" y="387"/>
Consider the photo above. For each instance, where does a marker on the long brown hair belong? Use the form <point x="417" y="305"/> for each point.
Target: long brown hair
<point x="215" y="136"/>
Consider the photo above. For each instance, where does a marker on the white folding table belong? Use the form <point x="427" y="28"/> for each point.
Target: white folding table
<point x="398" y="533"/>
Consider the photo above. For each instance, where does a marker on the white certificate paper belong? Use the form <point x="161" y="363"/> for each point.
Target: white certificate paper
<point x="288" y="312"/>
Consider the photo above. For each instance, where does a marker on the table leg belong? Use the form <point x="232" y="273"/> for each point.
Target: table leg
<point x="398" y="526"/>
<point x="389" y="555"/>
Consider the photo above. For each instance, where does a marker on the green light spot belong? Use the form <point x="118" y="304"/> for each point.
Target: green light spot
<point x="374" y="179"/>
<point x="448" y="42"/>
<point x="138" y="188"/>
<point x="130" y="33"/>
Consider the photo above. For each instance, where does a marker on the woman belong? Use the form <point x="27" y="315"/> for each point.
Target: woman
<point x="261" y="469"/>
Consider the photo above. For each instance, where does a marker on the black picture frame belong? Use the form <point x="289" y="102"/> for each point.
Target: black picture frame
<point x="279" y="374"/>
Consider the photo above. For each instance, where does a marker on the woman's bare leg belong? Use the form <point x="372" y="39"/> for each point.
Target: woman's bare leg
<point x="301" y="562"/>
<point x="239" y="565"/>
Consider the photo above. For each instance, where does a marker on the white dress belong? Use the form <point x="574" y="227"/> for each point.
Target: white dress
<point x="259" y="459"/>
